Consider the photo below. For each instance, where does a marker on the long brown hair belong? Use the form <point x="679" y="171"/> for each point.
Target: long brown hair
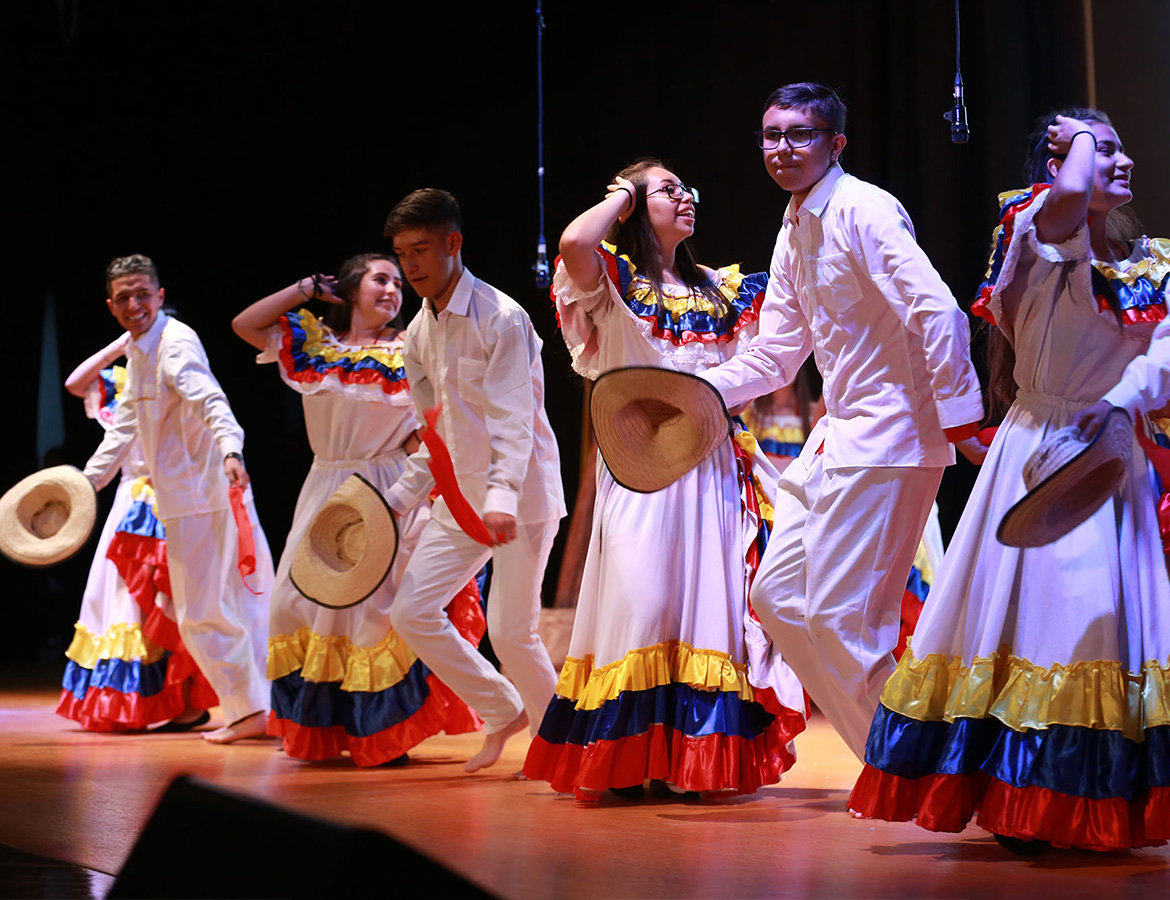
<point x="635" y="238"/>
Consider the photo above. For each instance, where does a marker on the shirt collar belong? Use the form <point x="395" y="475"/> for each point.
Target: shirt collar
<point x="460" y="301"/>
<point x="147" y="343"/>
<point x="818" y="198"/>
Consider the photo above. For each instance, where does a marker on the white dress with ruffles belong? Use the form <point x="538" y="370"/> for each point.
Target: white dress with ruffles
<point x="662" y="614"/>
<point x="358" y="414"/>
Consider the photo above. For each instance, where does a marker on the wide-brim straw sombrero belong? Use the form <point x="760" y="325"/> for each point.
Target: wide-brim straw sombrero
<point x="655" y="425"/>
<point x="1068" y="479"/>
<point x="47" y="517"/>
<point x="348" y="548"/>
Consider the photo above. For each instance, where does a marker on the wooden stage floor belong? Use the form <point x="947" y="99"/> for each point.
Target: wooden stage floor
<point x="84" y="798"/>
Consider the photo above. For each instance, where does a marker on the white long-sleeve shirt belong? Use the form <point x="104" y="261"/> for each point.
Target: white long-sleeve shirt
<point x="849" y="283"/>
<point x="480" y="359"/>
<point x="179" y="413"/>
<point x="1145" y="384"/>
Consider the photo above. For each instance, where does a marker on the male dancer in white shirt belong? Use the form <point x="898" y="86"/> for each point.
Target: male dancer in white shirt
<point x="849" y="283"/>
<point x="472" y="351"/>
<point x="193" y="448"/>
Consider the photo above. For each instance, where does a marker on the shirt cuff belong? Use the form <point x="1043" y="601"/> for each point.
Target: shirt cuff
<point x="1127" y="397"/>
<point x="231" y="445"/>
<point x="399" y="500"/>
<point x="501" y="500"/>
<point x="954" y="412"/>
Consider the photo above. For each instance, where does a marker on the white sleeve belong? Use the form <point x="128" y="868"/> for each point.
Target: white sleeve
<point x="775" y="355"/>
<point x="185" y="364"/>
<point x="1145" y="383"/>
<point x="899" y="268"/>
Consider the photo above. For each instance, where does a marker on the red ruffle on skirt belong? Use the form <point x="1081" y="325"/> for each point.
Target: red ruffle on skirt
<point x="107" y="709"/>
<point x="142" y="564"/>
<point x="442" y="712"/>
<point x="949" y="802"/>
<point x="718" y="762"/>
<point x="466" y="614"/>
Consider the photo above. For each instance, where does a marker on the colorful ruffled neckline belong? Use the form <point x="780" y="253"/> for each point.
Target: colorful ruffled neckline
<point x="1139" y="283"/>
<point x="310" y="353"/>
<point x="688" y="316"/>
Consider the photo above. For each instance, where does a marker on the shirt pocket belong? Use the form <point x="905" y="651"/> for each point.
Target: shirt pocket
<point x="469" y="379"/>
<point x="837" y="286"/>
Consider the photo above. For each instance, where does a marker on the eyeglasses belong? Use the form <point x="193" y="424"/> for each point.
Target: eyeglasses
<point x="769" y="138"/>
<point x="675" y="192"/>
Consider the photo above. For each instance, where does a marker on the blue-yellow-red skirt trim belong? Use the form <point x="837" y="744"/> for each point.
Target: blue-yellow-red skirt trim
<point x="1071" y="786"/>
<point x="671" y="712"/>
<point x="320" y="719"/>
<point x="141" y="674"/>
<point x="1077" y="755"/>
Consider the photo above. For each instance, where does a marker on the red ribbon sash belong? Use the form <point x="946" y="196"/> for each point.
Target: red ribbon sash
<point x="443" y="471"/>
<point x="246" y="545"/>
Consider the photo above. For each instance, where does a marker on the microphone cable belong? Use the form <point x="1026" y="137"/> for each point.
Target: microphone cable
<point x="540" y="267"/>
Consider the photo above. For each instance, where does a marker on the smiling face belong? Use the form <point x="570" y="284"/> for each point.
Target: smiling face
<point x="672" y="220"/>
<point x="430" y="261"/>
<point x="135" y="301"/>
<point x="799" y="169"/>
<point x="1111" y="171"/>
<point x="378" y="297"/>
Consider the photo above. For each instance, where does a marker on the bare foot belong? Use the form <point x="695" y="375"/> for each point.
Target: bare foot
<point x="856" y="815"/>
<point x="493" y="744"/>
<point x="252" y="726"/>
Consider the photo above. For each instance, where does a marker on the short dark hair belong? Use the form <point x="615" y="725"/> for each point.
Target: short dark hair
<point x="818" y="98"/>
<point x="135" y="264"/>
<point x="424" y="208"/>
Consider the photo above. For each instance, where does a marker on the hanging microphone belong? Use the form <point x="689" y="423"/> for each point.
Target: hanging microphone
<point x="540" y="267"/>
<point x="958" y="115"/>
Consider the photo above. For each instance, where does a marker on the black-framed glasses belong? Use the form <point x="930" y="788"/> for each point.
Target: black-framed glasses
<point x="675" y="192"/>
<point x="769" y="138"/>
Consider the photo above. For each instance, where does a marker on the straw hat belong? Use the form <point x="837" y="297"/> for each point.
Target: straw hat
<point x="655" y="425"/>
<point x="47" y="517"/>
<point x="1068" y="480"/>
<point x="349" y="547"/>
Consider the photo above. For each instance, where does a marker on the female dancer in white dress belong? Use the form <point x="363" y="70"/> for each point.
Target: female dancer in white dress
<point x="342" y="680"/>
<point x="1036" y="688"/>
<point x="669" y="678"/>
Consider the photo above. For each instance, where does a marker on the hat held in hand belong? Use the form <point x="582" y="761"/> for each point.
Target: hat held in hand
<point x="47" y="517"/>
<point x="1068" y="479"/>
<point x="348" y="548"/>
<point x="655" y="425"/>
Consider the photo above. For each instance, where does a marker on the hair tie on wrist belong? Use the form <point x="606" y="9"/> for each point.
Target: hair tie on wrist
<point x="1082" y="131"/>
<point x="630" y="202"/>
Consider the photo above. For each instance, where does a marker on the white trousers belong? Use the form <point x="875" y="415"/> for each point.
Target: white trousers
<point x="829" y="589"/>
<point x="222" y="623"/>
<point x="443" y="561"/>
